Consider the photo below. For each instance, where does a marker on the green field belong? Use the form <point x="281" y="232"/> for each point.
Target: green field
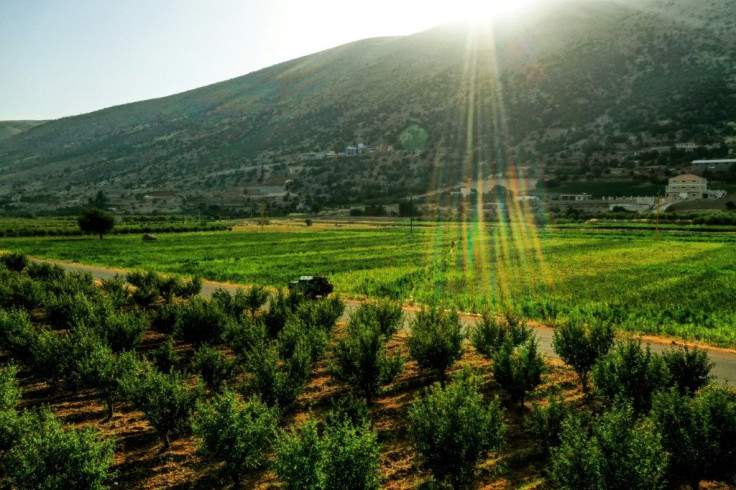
<point x="684" y="285"/>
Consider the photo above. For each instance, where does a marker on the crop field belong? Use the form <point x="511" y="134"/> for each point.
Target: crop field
<point x="682" y="285"/>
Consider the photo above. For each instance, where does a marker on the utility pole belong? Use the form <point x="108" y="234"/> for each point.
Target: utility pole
<point x="411" y="214"/>
<point x="656" y="230"/>
<point x="263" y="213"/>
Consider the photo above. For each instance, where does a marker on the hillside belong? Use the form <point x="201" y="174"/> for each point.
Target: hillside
<point x="11" y="128"/>
<point x="559" y="93"/>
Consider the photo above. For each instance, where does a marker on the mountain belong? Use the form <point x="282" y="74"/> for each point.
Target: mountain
<point x="559" y="91"/>
<point x="11" y="128"/>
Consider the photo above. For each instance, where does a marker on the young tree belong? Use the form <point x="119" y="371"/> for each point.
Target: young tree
<point x="489" y="335"/>
<point x="436" y="340"/>
<point x="690" y="369"/>
<point x="200" y="321"/>
<point x="698" y="433"/>
<point x="387" y="315"/>
<point x="518" y="370"/>
<point x="213" y="366"/>
<point x="630" y="372"/>
<point x="581" y="347"/>
<point x="276" y="380"/>
<point x="299" y="457"/>
<point x="47" y="456"/>
<point x="165" y="399"/>
<point x="613" y="451"/>
<point x="96" y="221"/>
<point x="453" y="429"/>
<point x="361" y="359"/>
<point x="104" y="372"/>
<point x="351" y="457"/>
<point x="545" y="423"/>
<point x="235" y="432"/>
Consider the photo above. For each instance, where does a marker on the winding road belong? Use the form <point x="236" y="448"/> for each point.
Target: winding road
<point x="725" y="359"/>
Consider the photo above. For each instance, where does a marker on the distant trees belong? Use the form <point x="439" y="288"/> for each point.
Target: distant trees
<point x="96" y="221"/>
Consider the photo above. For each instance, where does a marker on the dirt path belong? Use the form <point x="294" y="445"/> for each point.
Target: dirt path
<point x="724" y="359"/>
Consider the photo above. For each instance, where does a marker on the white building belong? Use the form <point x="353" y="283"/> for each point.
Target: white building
<point x="689" y="187"/>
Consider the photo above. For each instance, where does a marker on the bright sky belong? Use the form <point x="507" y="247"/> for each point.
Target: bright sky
<point x="66" y="57"/>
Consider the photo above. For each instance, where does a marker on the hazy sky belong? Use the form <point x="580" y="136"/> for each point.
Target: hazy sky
<point x="65" y="57"/>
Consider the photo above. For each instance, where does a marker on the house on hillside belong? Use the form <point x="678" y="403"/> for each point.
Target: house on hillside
<point x="690" y="187"/>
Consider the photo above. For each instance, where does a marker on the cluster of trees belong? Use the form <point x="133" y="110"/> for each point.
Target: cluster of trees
<point x="644" y="418"/>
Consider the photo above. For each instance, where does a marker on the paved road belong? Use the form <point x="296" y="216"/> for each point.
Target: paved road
<point x="724" y="359"/>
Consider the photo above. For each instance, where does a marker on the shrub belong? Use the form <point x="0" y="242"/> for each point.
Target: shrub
<point x="518" y="370"/>
<point x="163" y="319"/>
<point x="453" y="428"/>
<point x="20" y="292"/>
<point x="43" y="271"/>
<point x="631" y="372"/>
<point x="581" y="347"/>
<point x="436" y="340"/>
<point x="188" y="289"/>
<point x="361" y="359"/>
<point x="14" y="261"/>
<point x="387" y="315"/>
<point x="69" y="310"/>
<point x="235" y="432"/>
<point x="690" y="369"/>
<point x="489" y="335"/>
<point x="9" y="389"/>
<point x="213" y="366"/>
<point x="299" y="457"/>
<point x="146" y="284"/>
<point x="123" y="331"/>
<point x="117" y="291"/>
<point x="199" y="321"/>
<point x="165" y="399"/>
<point x="545" y="423"/>
<point x="278" y="381"/>
<point x="698" y="433"/>
<point x="322" y="314"/>
<point x="242" y="337"/>
<point x="47" y="456"/>
<point x="348" y="408"/>
<point x="296" y="331"/>
<point x="164" y="357"/>
<point x="279" y="308"/>
<point x="250" y="300"/>
<point x="104" y="372"/>
<point x="351" y="457"/>
<point x="614" y="451"/>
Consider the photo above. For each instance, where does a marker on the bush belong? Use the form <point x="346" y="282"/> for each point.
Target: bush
<point x="164" y="357"/>
<point x="351" y="457"/>
<point x="166" y="400"/>
<point x="387" y="315"/>
<point x="242" y="337"/>
<point x="453" y="428"/>
<point x="9" y="389"/>
<point x="123" y="331"/>
<point x="545" y="423"/>
<point x="436" y="340"/>
<point x="213" y="366"/>
<point x="47" y="456"/>
<point x="490" y="334"/>
<point x="615" y="451"/>
<point x="235" y="432"/>
<point x="14" y="261"/>
<point x="279" y="308"/>
<point x="347" y="456"/>
<point x="146" y="284"/>
<point x="581" y="347"/>
<point x="20" y="292"/>
<point x="104" y="372"/>
<point x="43" y="271"/>
<point x="69" y="310"/>
<point x="690" y="369"/>
<point x="278" y="381"/>
<point x="518" y="370"/>
<point x="299" y="457"/>
<point x="117" y="291"/>
<point x="321" y="314"/>
<point x="698" y="433"/>
<point x="163" y="319"/>
<point x="361" y="359"/>
<point x="200" y="321"/>
<point x="632" y="373"/>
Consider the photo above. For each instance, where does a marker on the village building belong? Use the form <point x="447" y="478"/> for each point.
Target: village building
<point x="690" y="187"/>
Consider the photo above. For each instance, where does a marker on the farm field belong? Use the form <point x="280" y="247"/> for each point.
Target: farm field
<point x="681" y="286"/>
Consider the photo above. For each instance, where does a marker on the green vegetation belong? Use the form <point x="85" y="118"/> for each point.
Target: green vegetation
<point x="414" y="138"/>
<point x="680" y="286"/>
